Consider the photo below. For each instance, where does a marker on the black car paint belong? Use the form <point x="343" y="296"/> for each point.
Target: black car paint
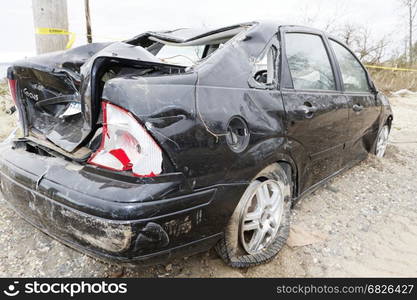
<point x="188" y="114"/>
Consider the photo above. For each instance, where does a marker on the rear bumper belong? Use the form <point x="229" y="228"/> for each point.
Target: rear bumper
<point x="123" y="219"/>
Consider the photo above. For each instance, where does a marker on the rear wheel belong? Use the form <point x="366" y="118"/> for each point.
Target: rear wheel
<point x="382" y="141"/>
<point x="259" y="226"/>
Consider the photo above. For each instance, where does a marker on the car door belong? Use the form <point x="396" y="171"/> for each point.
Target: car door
<point x="316" y="110"/>
<point x="364" y="109"/>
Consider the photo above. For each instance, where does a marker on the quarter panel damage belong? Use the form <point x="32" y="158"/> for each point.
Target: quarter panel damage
<point x="192" y="110"/>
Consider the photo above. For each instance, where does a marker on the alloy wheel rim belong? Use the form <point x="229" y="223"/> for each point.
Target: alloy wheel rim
<point x="382" y="142"/>
<point x="262" y="216"/>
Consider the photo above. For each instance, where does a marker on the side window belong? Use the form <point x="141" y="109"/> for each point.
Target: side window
<point x="265" y="70"/>
<point x="354" y="76"/>
<point x="308" y="62"/>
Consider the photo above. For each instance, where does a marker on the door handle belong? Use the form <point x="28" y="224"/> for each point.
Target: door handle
<point x="357" y="107"/>
<point x="307" y="109"/>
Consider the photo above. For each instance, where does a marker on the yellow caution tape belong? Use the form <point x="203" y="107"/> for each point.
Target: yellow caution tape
<point x="71" y="35"/>
<point x="390" y="68"/>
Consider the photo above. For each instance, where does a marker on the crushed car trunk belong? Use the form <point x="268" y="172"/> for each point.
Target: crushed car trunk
<point x="59" y="94"/>
<point x="58" y="105"/>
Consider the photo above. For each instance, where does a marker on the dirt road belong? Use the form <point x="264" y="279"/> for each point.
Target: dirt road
<point x="362" y="223"/>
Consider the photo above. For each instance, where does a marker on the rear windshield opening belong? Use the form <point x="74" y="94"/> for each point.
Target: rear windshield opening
<point x="189" y="52"/>
<point x="183" y="55"/>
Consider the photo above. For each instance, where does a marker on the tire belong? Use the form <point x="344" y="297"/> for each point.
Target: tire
<point x="381" y="141"/>
<point x="237" y="248"/>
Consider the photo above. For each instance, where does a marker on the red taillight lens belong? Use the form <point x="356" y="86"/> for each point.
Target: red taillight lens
<point x="12" y="89"/>
<point x="126" y="145"/>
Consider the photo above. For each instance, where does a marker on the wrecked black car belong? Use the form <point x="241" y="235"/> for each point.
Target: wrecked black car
<point x="173" y="142"/>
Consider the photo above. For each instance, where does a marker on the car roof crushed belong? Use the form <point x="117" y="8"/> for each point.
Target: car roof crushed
<point x="191" y="36"/>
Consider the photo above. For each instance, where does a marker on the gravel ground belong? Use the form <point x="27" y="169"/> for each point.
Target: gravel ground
<point x="362" y="223"/>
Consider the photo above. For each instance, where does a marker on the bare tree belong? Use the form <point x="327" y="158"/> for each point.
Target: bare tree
<point x="312" y="15"/>
<point x="357" y="36"/>
<point x="347" y="34"/>
<point x="359" y="39"/>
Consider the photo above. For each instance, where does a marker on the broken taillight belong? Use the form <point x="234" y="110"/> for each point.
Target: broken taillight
<point x="126" y="145"/>
<point x="12" y="89"/>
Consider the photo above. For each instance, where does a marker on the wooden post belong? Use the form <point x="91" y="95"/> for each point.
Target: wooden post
<point x="88" y="21"/>
<point x="50" y="14"/>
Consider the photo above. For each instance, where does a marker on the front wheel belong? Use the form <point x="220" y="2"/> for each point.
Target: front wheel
<point x="382" y="141"/>
<point x="259" y="226"/>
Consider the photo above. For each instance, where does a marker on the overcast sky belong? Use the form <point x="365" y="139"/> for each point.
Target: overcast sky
<point x="124" y="18"/>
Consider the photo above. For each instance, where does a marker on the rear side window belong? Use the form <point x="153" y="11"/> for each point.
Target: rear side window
<point x="308" y="62"/>
<point x="354" y="76"/>
<point x="264" y="72"/>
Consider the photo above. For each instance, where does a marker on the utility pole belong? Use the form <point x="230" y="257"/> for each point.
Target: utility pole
<point x="50" y="14"/>
<point x="88" y="21"/>
<point x="411" y="6"/>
